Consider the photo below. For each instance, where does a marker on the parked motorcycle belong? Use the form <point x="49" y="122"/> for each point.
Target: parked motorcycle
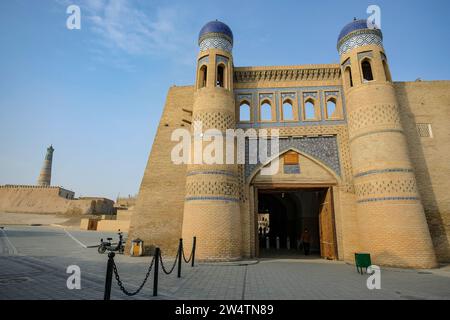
<point x="108" y="246"/>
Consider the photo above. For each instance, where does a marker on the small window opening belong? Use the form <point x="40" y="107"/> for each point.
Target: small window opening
<point x="367" y="70"/>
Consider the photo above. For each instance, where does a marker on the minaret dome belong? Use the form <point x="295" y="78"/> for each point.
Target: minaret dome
<point x="357" y="33"/>
<point x="215" y="35"/>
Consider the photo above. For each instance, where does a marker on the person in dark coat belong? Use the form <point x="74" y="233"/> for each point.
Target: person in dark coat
<point x="306" y="241"/>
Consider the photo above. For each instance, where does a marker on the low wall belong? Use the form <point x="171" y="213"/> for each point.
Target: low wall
<point x="35" y="199"/>
<point x="113" y="225"/>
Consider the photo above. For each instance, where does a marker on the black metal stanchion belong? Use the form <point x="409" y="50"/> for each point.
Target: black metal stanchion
<point x="180" y="256"/>
<point x="194" y="243"/>
<point x="155" y="274"/>
<point x="109" y="272"/>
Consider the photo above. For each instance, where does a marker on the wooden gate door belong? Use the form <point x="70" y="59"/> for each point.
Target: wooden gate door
<point x="328" y="248"/>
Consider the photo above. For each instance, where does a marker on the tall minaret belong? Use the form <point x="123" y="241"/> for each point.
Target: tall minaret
<point x="211" y="210"/>
<point x="46" y="172"/>
<point x="393" y="227"/>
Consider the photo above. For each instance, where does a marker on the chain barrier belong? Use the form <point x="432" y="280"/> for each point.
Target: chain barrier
<point x="154" y="264"/>
<point x="190" y="257"/>
<point x="173" y="267"/>
<point x="120" y="283"/>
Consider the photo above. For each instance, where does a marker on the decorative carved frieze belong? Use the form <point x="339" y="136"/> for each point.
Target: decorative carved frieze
<point x="314" y="74"/>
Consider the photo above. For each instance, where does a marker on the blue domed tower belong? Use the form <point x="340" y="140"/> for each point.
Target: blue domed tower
<point x="211" y="209"/>
<point x="215" y="35"/>
<point x="393" y="227"/>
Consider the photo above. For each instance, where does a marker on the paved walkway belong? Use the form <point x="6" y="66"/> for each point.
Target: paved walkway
<point x="33" y="262"/>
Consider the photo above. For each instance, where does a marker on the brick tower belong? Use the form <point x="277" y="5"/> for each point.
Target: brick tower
<point x="45" y="175"/>
<point x="390" y="214"/>
<point x="211" y="209"/>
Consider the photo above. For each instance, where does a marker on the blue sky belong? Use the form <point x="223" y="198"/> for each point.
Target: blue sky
<point x="97" y="93"/>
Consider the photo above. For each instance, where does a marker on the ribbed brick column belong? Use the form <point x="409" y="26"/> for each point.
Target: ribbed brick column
<point x="211" y="211"/>
<point x="390" y="213"/>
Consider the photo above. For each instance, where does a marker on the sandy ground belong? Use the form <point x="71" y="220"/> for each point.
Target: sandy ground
<point x="39" y="219"/>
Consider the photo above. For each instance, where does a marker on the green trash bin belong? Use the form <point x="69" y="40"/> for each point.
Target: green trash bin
<point x="362" y="260"/>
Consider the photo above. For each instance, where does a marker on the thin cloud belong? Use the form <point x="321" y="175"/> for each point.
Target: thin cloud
<point x="131" y="28"/>
<point x="122" y="25"/>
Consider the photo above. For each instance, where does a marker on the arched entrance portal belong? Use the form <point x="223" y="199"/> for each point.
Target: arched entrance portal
<point x="292" y="201"/>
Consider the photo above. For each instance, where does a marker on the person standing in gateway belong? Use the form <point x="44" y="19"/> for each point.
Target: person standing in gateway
<point x="306" y="241"/>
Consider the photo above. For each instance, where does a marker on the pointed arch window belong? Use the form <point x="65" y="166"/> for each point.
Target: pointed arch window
<point x="266" y="111"/>
<point x="331" y="108"/>
<point x="366" y="70"/>
<point x="348" y="77"/>
<point x="220" y="76"/>
<point x="310" y="110"/>
<point x="202" y="76"/>
<point x="244" y="112"/>
<point x="288" y="111"/>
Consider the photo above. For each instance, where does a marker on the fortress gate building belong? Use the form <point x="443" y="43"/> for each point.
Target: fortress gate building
<point x="362" y="160"/>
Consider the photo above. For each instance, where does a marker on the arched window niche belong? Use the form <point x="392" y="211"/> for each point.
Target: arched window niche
<point x="287" y="111"/>
<point x="366" y="68"/>
<point x="332" y="110"/>
<point x="244" y="112"/>
<point x="202" y="77"/>
<point x="310" y="110"/>
<point x="221" y="76"/>
<point x="265" y="111"/>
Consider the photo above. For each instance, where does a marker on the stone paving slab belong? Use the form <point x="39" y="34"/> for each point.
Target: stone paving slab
<point x="37" y="270"/>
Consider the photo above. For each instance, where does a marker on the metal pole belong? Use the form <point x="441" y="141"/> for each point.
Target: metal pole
<point x="180" y="253"/>
<point x="267" y="243"/>
<point x="278" y="243"/>
<point x="194" y="244"/>
<point x="109" y="272"/>
<point x="155" y="274"/>
<point x="288" y="243"/>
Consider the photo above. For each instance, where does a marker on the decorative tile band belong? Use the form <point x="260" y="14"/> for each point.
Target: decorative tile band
<point x="310" y="95"/>
<point x="288" y="95"/>
<point x="324" y="149"/>
<point x="204" y="60"/>
<point x="371" y="172"/>
<point x="211" y="199"/>
<point x="216" y="43"/>
<point x="263" y="96"/>
<point x="247" y="97"/>
<point x="375" y="132"/>
<point x="214" y="172"/>
<point x="215" y="35"/>
<point x="222" y="59"/>
<point x="360" y="38"/>
<point x="367" y="54"/>
<point x="389" y="199"/>
<point x="331" y="94"/>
